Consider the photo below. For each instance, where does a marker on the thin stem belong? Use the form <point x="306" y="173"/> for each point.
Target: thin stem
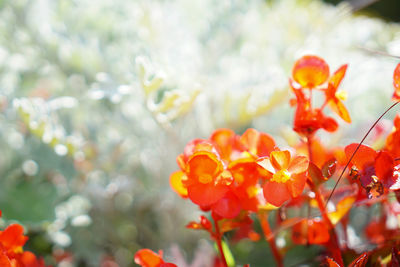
<point x="355" y="151"/>
<point x="334" y="243"/>
<point x="263" y="217"/>
<point x="218" y="239"/>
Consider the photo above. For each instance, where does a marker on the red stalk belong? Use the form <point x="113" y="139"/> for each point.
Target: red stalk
<point x="333" y="245"/>
<point x="269" y="236"/>
<point x="218" y="239"/>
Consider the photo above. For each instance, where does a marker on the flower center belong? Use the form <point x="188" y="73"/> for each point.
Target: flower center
<point x="205" y="178"/>
<point x="281" y="176"/>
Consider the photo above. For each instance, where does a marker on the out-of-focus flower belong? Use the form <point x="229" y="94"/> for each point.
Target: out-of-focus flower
<point x="148" y="258"/>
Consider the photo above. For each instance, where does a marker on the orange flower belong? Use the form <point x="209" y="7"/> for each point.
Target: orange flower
<point x="221" y="173"/>
<point x="147" y="258"/>
<point x="287" y="178"/>
<point x="207" y="181"/>
<point x="313" y="231"/>
<point x="308" y="120"/>
<point x="334" y="98"/>
<point x="11" y="252"/>
<point x="310" y="71"/>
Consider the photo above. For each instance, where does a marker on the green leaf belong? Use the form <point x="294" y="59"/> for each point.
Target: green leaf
<point x="28" y="201"/>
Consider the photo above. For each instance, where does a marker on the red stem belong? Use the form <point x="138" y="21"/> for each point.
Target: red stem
<point x="218" y="239"/>
<point x="263" y="217"/>
<point x="333" y="245"/>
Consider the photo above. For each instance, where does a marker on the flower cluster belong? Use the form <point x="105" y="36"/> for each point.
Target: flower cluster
<point x="237" y="176"/>
<point x="11" y="253"/>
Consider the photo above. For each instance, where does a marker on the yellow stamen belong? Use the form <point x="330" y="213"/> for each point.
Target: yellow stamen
<point x="342" y="95"/>
<point x="205" y="178"/>
<point x="281" y="176"/>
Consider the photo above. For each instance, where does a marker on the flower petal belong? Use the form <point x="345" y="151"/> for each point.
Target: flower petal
<point x="276" y="193"/>
<point x="339" y="108"/>
<point x="176" y="182"/>
<point x="310" y="71"/>
<point x="224" y="140"/>
<point x="12" y="237"/>
<point x="384" y="165"/>
<point x="206" y="194"/>
<point x="363" y="157"/>
<point x="147" y="258"/>
<point x="396" y="83"/>
<point x="203" y="167"/>
<point x="228" y="206"/>
<point x="280" y="159"/>
<point x="258" y="143"/>
<point x="337" y="76"/>
<point x="298" y="165"/>
<point x="4" y="260"/>
<point x="296" y="184"/>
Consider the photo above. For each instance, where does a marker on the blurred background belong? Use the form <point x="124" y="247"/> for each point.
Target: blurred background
<point x="98" y="98"/>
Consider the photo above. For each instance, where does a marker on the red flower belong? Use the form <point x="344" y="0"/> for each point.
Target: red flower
<point x="287" y="178"/>
<point x="376" y="169"/>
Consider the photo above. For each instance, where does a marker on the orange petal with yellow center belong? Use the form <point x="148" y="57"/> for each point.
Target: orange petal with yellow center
<point x="147" y="258"/>
<point x="276" y="193"/>
<point x="310" y="71"/>
<point x="280" y="159"/>
<point x="203" y="167"/>
<point x="176" y="182"/>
